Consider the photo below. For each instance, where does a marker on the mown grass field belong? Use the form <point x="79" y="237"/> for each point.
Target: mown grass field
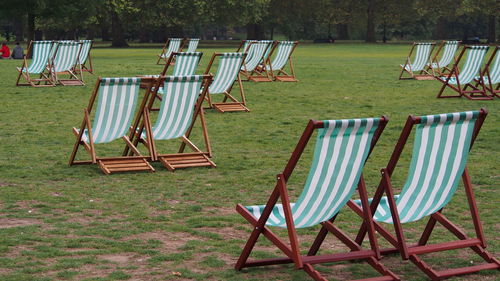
<point x="75" y="223"/>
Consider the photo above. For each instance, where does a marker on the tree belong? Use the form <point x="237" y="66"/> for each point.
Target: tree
<point x="370" y="22"/>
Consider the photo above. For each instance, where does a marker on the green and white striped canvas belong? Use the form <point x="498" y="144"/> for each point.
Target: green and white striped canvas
<point x="115" y="109"/>
<point x="245" y="45"/>
<point x="342" y="147"/>
<point x="85" y="52"/>
<point x="66" y="56"/>
<point x="421" y="58"/>
<point x="186" y="63"/>
<point x="494" y="71"/>
<point x="449" y="49"/>
<point x="268" y="50"/>
<point x="193" y="44"/>
<point x="177" y="107"/>
<point x="227" y="71"/>
<point x="472" y="66"/>
<point x="41" y="55"/>
<point x="440" y="151"/>
<point x="284" y="50"/>
<point x="254" y="57"/>
<point x="173" y="46"/>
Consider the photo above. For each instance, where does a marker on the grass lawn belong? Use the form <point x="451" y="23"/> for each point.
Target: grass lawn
<point x="75" y="223"/>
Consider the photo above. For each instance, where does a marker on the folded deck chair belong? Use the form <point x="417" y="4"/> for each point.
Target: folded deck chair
<point x="491" y="74"/>
<point x="459" y="81"/>
<point x="65" y="61"/>
<point x="440" y="150"/>
<point x="172" y="45"/>
<point x="283" y="56"/>
<point x="341" y="150"/>
<point x="116" y="107"/>
<point x="193" y="44"/>
<point x="448" y="48"/>
<point x="416" y="68"/>
<point x="228" y="72"/>
<point x="40" y="52"/>
<point x="255" y="55"/>
<point x="85" y="58"/>
<point x="179" y="110"/>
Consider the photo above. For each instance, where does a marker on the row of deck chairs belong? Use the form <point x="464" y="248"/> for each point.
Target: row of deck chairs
<point x="440" y="151"/>
<point x="470" y="79"/>
<point x="50" y="60"/>
<point x="175" y="45"/>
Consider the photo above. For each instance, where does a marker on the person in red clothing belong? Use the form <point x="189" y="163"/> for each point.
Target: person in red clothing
<point x="5" y="51"/>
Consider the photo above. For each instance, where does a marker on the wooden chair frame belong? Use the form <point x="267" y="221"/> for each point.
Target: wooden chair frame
<point x="292" y="252"/>
<point x="435" y="59"/>
<point x="181" y="159"/>
<point x="73" y="73"/>
<point x="234" y="104"/>
<point x="495" y="92"/>
<point x="411" y="252"/>
<point x="34" y="82"/>
<point x="423" y="74"/>
<point x="165" y="47"/>
<point x="476" y="92"/>
<point x="263" y="73"/>
<point x="134" y="162"/>
<point x="248" y="75"/>
<point x="282" y="75"/>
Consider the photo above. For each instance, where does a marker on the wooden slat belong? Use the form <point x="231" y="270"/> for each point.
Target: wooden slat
<point x="466" y="270"/>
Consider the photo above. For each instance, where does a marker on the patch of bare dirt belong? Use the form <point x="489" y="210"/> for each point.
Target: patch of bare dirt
<point x="11" y="222"/>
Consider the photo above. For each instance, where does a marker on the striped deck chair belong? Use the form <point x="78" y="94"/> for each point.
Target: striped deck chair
<point x="416" y="68"/>
<point x="440" y="151"/>
<point x="440" y="67"/>
<point x="341" y="150"/>
<point x="193" y="44"/>
<point x="261" y="72"/>
<point x="116" y="107"/>
<point x="228" y="72"/>
<point x="255" y="55"/>
<point x="459" y="81"/>
<point x="85" y="58"/>
<point x="172" y="45"/>
<point x="491" y="74"/>
<point x="283" y="56"/>
<point x="65" y="61"/>
<point x="40" y="52"/>
<point x="179" y="110"/>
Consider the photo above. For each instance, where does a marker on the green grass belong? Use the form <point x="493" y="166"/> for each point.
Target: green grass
<point x="74" y="223"/>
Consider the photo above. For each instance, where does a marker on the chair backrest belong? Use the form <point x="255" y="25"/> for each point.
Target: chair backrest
<point x="244" y="48"/>
<point x="173" y="46"/>
<point x="85" y="52"/>
<point x="66" y="55"/>
<point x="440" y="149"/>
<point x="449" y="50"/>
<point x="494" y="68"/>
<point x="115" y="109"/>
<point x="342" y="147"/>
<point x="193" y="45"/>
<point x="40" y="51"/>
<point x="256" y="52"/>
<point x="472" y="66"/>
<point x="227" y="71"/>
<point x="268" y="50"/>
<point x="186" y="63"/>
<point x="285" y="49"/>
<point x="422" y="56"/>
<point x="177" y="106"/>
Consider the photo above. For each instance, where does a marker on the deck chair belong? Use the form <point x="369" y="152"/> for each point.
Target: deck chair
<point x="179" y="110"/>
<point x="65" y="61"/>
<point x="449" y="48"/>
<point x="440" y="150"/>
<point x="341" y="150"/>
<point x="40" y="52"/>
<point x="283" y="56"/>
<point x="116" y="107"/>
<point x="459" y="81"/>
<point x="85" y="58"/>
<point x="228" y="72"/>
<point x="193" y="44"/>
<point x="416" y="69"/>
<point x="491" y="74"/>
<point x="255" y="55"/>
<point x="261" y="72"/>
<point x="172" y="45"/>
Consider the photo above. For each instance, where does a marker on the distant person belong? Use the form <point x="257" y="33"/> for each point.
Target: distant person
<point x="17" y="52"/>
<point x="5" y="51"/>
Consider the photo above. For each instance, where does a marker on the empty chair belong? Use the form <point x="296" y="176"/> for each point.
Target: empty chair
<point x="40" y="52"/>
<point x="193" y="44"/>
<point x="282" y="56"/>
<point x="85" y="58"/>
<point x="65" y="61"/>
<point x="490" y="75"/>
<point x="447" y="50"/>
<point x="416" y="68"/>
<point x="171" y="46"/>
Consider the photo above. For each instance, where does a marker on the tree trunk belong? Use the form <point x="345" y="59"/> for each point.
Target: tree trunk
<point x="255" y="31"/>
<point x="370" y="22"/>
<point x="31" y="26"/>
<point x="492" y="21"/>
<point x="440" y="29"/>
<point x="18" y="30"/>
<point x="342" y="31"/>
<point x="117" y="31"/>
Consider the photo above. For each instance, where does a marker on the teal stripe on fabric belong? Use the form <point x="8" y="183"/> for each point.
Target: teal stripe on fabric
<point x="256" y="52"/>
<point x="494" y="70"/>
<point x="117" y="99"/>
<point x="450" y="48"/>
<point x="341" y="149"/>
<point x="40" y="57"/>
<point x="193" y="44"/>
<point x="186" y="63"/>
<point x="472" y="66"/>
<point x="283" y="54"/>
<point x="440" y="152"/>
<point x="227" y="72"/>
<point x="66" y="56"/>
<point x="173" y="47"/>
<point x="85" y="51"/>
<point x="421" y="58"/>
